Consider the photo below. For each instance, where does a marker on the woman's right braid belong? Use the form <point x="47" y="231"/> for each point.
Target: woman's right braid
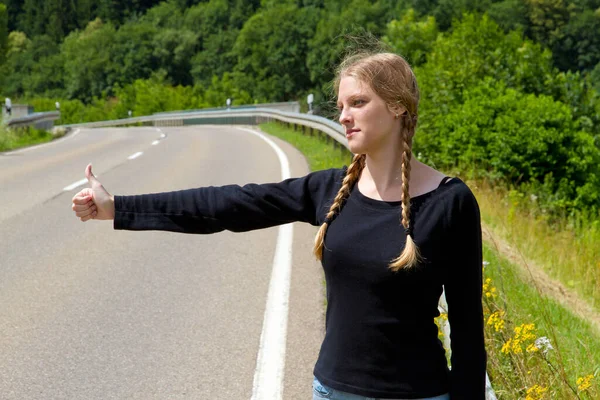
<point x="410" y="256"/>
<point x="352" y="175"/>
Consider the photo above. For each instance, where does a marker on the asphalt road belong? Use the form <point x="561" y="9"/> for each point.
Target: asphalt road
<point x="88" y="312"/>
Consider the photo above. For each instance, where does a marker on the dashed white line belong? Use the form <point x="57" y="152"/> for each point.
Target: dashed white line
<point x="76" y="184"/>
<point x="134" y="156"/>
<point x="155" y="142"/>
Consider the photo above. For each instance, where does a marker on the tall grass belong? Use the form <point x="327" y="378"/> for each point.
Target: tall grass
<point x="11" y="139"/>
<point x="567" y="249"/>
<point x="537" y="349"/>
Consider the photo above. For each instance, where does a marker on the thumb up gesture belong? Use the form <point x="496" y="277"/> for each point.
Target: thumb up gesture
<point x="94" y="202"/>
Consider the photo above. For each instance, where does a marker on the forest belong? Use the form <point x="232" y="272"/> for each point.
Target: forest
<point x="512" y="85"/>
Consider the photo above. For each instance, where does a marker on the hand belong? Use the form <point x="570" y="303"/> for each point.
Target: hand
<point x="94" y="202"/>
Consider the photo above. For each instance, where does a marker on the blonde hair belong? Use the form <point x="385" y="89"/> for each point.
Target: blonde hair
<point x="391" y="78"/>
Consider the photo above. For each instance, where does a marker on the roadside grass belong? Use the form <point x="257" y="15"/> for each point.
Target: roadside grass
<point x="12" y="139"/>
<point x="515" y="363"/>
<point x="567" y="250"/>
<point x="517" y="316"/>
<point x="317" y="149"/>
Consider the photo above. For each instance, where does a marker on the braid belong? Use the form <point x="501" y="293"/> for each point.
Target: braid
<point x="410" y="255"/>
<point x="354" y="170"/>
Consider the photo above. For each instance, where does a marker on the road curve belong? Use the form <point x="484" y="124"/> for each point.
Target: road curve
<point x="92" y="313"/>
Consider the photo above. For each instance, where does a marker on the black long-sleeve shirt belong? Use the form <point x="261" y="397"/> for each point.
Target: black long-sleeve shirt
<point x="381" y="339"/>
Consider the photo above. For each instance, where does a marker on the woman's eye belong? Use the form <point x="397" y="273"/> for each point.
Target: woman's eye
<point x="358" y="102"/>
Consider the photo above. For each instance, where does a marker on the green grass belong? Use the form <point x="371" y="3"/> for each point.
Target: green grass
<point x="319" y="151"/>
<point x="11" y="139"/>
<point x="567" y="250"/>
<point x="576" y="343"/>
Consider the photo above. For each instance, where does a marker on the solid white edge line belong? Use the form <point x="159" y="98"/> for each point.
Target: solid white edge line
<point x="134" y="156"/>
<point x="270" y="362"/>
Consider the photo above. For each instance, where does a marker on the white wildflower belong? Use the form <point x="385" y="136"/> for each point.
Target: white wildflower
<point x="543" y="343"/>
<point x="486" y="263"/>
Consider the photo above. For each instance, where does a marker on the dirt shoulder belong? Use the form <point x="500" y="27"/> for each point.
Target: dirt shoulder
<point x="546" y="285"/>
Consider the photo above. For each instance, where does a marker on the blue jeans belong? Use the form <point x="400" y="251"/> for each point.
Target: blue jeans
<point x="321" y="392"/>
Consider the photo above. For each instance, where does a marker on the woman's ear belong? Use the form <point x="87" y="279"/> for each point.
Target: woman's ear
<point x="398" y="109"/>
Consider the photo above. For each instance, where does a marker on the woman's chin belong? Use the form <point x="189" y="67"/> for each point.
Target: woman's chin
<point x="355" y="147"/>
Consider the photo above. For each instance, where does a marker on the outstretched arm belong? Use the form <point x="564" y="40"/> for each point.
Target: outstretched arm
<point x="230" y="207"/>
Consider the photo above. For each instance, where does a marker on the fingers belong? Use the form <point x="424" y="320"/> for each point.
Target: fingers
<point x="83" y="196"/>
<point x="88" y="172"/>
<point x="88" y="217"/>
<point x="85" y="209"/>
<point x="90" y="175"/>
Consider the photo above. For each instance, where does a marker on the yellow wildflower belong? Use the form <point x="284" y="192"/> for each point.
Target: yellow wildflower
<point x="536" y="392"/>
<point x="496" y="320"/>
<point x="439" y="321"/>
<point x="531" y="348"/>
<point x="488" y="289"/>
<point x="585" y="382"/>
<point x="523" y="334"/>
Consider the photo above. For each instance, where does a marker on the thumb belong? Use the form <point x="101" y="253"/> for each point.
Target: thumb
<point x="89" y="175"/>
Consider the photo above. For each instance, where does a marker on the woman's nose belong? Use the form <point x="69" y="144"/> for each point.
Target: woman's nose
<point x="344" y="117"/>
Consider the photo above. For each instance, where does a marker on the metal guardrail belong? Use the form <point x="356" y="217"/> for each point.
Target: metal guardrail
<point x="41" y="120"/>
<point x="226" y="117"/>
<point x="255" y="116"/>
<point x="290" y="106"/>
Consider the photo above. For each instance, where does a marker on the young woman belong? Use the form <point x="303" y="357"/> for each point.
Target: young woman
<point x="392" y="232"/>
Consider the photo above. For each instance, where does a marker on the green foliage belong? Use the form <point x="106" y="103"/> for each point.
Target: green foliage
<point x="358" y="19"/>
<point x="510" y="136"/>
<point x="3" y="33"/>
<point x="87" y="63"/>
<point x="271" y="49"/>
<point x="411" y="38"/>
<point x="146" y="97"/>
<point x="217" y="24"/>
<point x="132" y="54"/>
<point x="318" y="148"/>
<point x="491" y="101"/>
<point x="221" y="89"/>
<point x="579" y="48"/>
<point x="11" y="139"/>
<point x="477" y="48"/>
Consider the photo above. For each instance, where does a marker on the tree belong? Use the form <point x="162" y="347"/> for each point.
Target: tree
<point x="358" y="23"/>
<point x="579" y="47"/>
<point x="518" y="138"/>
<point x="3" y="33"/>
<point x="411" y="38"/>
<point x="88" y="61"/>
<point x="271" y="52"/>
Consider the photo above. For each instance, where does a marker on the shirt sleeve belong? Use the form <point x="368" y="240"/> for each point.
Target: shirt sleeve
<point x="463" y="288"/>
<point x="231" y="207"/>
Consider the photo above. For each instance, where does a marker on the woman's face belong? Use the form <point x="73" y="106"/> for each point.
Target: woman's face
<point x="368" y="121"/>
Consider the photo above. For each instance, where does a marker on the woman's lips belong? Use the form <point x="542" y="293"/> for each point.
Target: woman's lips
<point x="351" y="132"/>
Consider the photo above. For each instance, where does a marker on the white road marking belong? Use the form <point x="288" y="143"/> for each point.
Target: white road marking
<point x="270" y="363"/>
<point x="76" y="184"/>
<point x="134" y="156"/>
<point x="155" y="142"/>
